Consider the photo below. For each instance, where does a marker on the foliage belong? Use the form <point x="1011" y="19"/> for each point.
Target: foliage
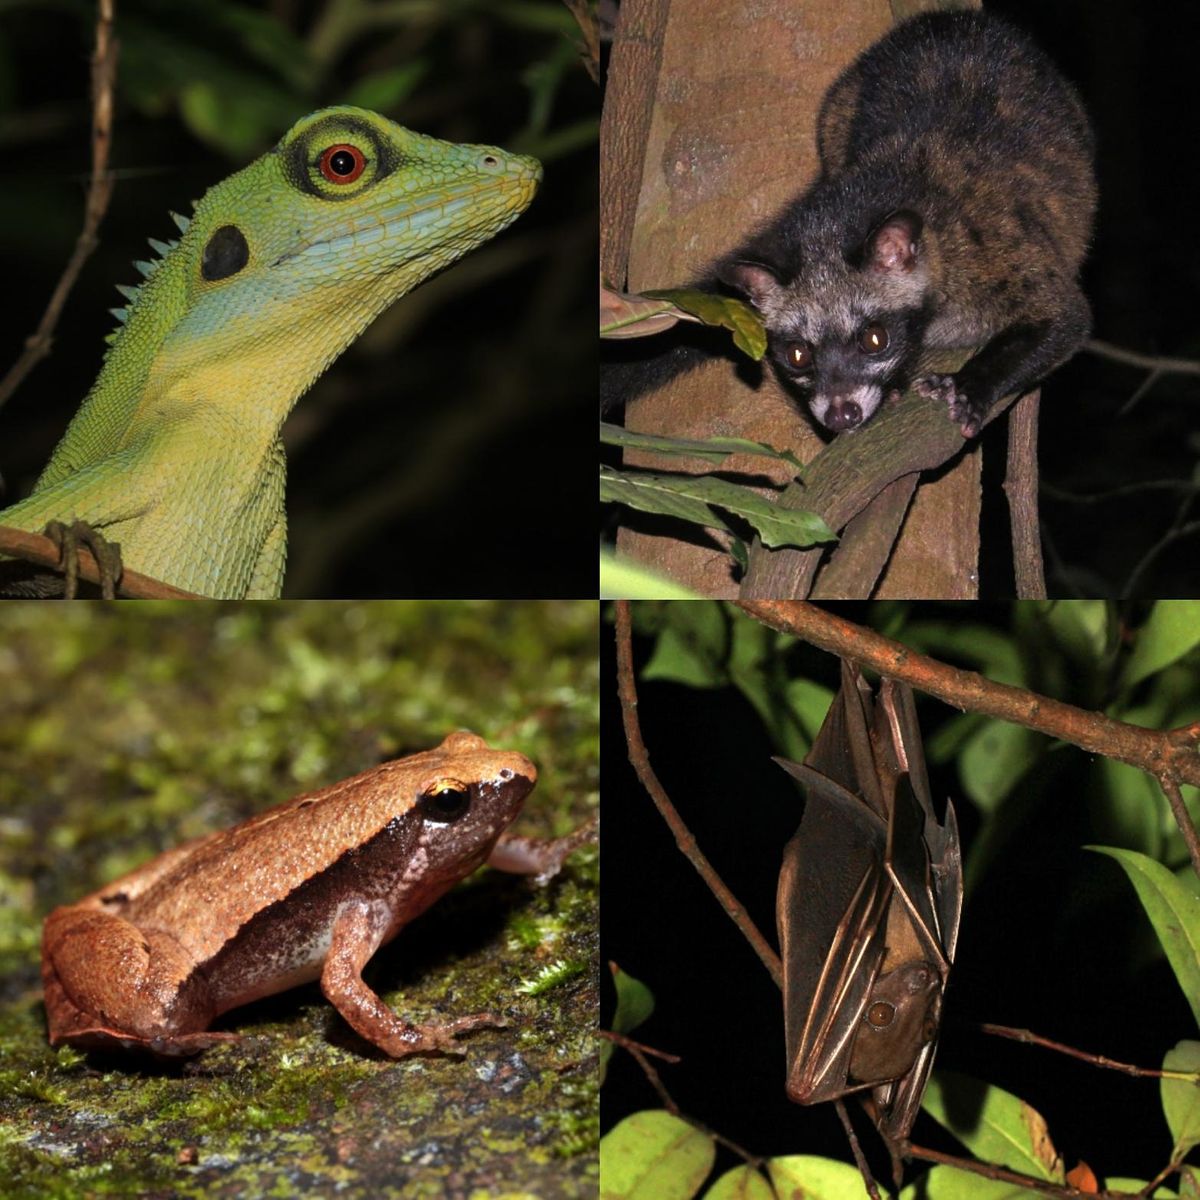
<point x="1028" y="808"/>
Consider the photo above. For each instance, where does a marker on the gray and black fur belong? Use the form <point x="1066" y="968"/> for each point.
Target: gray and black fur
<point x="953" y="209"/>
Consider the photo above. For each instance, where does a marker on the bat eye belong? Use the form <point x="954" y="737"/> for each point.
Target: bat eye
<point x="881" y="1014"/>
<point x="873" y="339"/>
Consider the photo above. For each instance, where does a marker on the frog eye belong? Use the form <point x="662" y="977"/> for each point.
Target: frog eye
<point x="445" y="800"/>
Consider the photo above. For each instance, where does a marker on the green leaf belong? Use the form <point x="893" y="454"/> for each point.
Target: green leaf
<point x="749" y="335"/>
<point x="814" y="1178"/>
<point x="951" y="1183"/>
<point x="1181" y="1097"/>
<point x="1174" y="910"/>
<point x="714" y="450"/>
<point x="1171" y="631"/>
<point x="742" y="1183"/>
<point x="1189" y="1184"/>
<point x="994" y="1125"/>
<point x="695" y="498"/>
<point x="692" y="646"/>
<point x="653" y="1155"/>
<point x="635" y="1002"/>
<point x="994" y="760"/>
<point x="624" y="579"/>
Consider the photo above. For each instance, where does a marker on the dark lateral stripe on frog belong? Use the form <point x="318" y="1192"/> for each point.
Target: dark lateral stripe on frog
<point x="284" y="944"/>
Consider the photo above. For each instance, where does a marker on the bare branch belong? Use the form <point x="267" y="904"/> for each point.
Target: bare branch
<point x="104" y="68"/>
<point x="640" y="760"/>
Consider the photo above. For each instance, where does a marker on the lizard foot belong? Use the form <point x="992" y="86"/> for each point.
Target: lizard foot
<point x="68" y="539"/>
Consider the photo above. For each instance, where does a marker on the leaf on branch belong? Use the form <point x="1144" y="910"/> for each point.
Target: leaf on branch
<point x="696" y="498"/>
<point x="1174" y="911"/>
<point x="996" y="1126"/>
<point x="653" y="1153"/>
<point x="713" y="450"/>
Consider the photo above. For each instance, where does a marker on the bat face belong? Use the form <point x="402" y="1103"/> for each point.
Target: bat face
<point x="867" y="909"/>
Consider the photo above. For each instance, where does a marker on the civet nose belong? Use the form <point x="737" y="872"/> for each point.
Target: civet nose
<point x="842" y="414"/>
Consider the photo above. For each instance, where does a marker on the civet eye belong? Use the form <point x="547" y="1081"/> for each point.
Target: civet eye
<point x="881" y="1014"/>
<point x="873" y="339"/>
<point x="445" y="800"/>
<point x="798" y="356"/>
<point x="342" y="163"/>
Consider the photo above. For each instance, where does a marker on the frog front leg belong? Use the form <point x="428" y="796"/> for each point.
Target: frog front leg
<point x="109" y="984"/>
<point x="541" y="857"/>
<point x="358" y="931"/>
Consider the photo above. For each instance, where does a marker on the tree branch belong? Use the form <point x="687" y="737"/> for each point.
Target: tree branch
<point x="1168" y="755"/>
<point x="104" y="69"/>
<point x="640" y="759"/>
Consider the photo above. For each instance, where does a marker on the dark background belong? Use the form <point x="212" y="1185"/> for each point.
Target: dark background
<point x="444" y="453"/>
<point x="1053" y="938"/>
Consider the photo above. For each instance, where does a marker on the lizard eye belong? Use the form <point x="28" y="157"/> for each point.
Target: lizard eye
<point x="342" y="163"/>
<point x="444" y="801"/>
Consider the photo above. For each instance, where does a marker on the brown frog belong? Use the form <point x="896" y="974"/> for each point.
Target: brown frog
<point x="308" y="889"/>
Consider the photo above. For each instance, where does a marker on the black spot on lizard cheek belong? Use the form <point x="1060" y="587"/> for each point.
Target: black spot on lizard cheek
<point x="225" y="253"/>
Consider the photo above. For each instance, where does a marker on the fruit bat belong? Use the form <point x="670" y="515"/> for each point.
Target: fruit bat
<point x="867" y="910"/>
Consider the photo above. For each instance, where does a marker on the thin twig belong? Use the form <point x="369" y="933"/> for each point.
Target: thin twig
<point x="1002" y="1175"/>
<point x="631" y="1045"/>
<point x="627" y="690"/>
<point x="860" y="1159"/>
<point x="1170" y="753"/>
<point x="104" y="67"/>
<point x="639" y="1053"/>
<point x="1096" y="1060"/>
<point x="1124" y="492"/>
<point x="1182" y="817"/>
<point x="1148" y="362"/>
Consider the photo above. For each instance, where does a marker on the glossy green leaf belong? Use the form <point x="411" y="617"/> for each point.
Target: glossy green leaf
<point x="1172" y="629"/>
<point x="949" y="1183"/>
<point x="741" y="1183"/>
<point x="653" y="1155"/>
<point x="1174" y="910"/>
<point x="996" y="1126"/>
<point x="1181" y="1097"/>
<point x="814" y="1178"/>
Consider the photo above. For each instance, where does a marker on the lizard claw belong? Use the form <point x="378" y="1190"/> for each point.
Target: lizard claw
<point x="68" y="539"/>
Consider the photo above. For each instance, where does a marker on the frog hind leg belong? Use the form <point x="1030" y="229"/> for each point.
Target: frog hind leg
<point x="109" y="985"/>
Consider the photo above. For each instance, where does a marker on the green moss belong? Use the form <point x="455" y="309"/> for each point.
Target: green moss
<point x="126" y="729"/>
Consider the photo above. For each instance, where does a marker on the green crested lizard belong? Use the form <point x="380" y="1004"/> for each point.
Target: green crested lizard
<point x="175" y="453"/>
